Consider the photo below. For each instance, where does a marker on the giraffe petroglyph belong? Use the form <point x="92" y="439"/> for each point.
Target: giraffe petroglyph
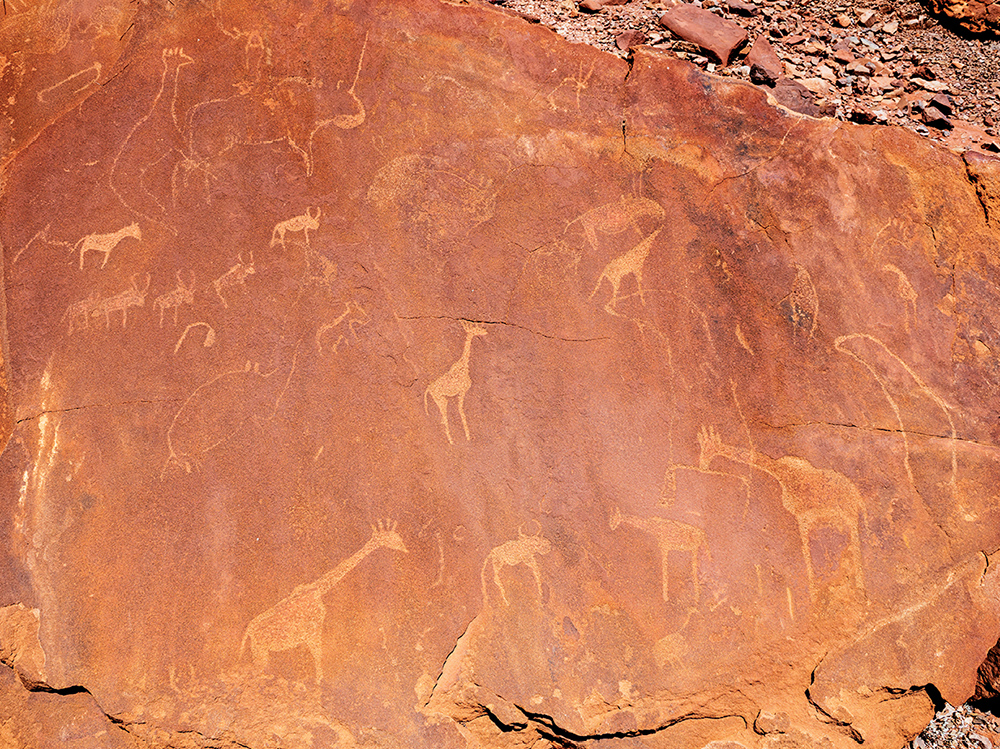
<point x="628" y="263"/>
<point x="671" y="535"/>
<point x="106" y="242"/>
<point x="816" y="497"/>
<point x="521" y="550"/>
<point x="298" y="619"/>
<point x="455" y="382"/>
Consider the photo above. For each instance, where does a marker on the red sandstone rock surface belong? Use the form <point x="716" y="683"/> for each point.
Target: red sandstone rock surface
<point x="399" y="374"/>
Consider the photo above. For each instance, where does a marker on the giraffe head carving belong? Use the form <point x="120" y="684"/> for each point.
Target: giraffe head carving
<point x="384" y="534"/>
<point x="473" y="328"/>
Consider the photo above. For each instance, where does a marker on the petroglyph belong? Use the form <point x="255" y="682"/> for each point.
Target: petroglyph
<point x="816" y="498"/>
<point x="343" y="121"/>
<point x="302" y="223"/>
<point x="630" y="263"/>
<point x="209" y="335"/>
<point x="671" y="649"/>
<point x="120" y="302"/>
<point x="617" y="217"/>
<point x="213" y="413"/>
<point x="127" y="178"/>
<point x="802" y="304"/>
<point x="353" y="316"/>
<point x="73" y="84"/>
<point x="182" y="294"/>
<point x="455" y="383"/>
<point x="105" y="243"/>
<point x="905" y="291"/>
<point x="79" y="312"/>
<point x="579" y="82"/>
<point x="853" y="345"/>
<point x="671" y="535"/>
<point x="235" y="276"/>
<point x="41" y="236"/>
<point x="521" y="550"/>
<point x="298" y="619"/>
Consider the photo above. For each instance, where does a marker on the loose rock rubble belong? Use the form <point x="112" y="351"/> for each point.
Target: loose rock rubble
<point x="962" y="727"/>
<point x="879" y="63"/>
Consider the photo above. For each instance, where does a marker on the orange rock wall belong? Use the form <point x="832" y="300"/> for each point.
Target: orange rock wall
<point x="398" y="374"/>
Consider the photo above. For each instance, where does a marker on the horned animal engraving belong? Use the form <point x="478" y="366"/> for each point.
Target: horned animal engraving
<point x="298" y="619"/>
<point x="616" y="217"/>
<point x="79" y="312"/>
<point x="671" y="535"/>
<point x="455" y="382"/>
<point x="235" y="276"/>
<point x="174" y="299"/>
<point x="521" y="550"/>
<point x="120" y="302"/>
<point x="302" y="223"/>
<point x="629" y="263"/>
<point x="816" y="497"/>
<point x="106" y="242"/>
<point x="354" y="315"/>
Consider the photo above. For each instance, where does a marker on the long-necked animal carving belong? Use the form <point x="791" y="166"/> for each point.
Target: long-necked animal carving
<point x="455" y="383"/>
<point x="298" y="619"/>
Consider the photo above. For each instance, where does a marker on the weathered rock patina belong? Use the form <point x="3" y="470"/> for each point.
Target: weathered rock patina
<point x="398" y="374"/>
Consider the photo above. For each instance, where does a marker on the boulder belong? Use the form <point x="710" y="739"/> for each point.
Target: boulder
<point x="399" y="374"/>
<point x="717" y="36"/>
<point x="977" y="16"/>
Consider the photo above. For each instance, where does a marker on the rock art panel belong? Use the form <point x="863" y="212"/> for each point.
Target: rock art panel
<point x="680" y="403"/>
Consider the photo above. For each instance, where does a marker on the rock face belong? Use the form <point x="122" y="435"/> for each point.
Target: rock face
<point x="398" y="374"/>
<point x="977" y="16"/>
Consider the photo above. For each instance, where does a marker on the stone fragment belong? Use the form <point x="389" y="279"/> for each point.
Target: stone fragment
<point x="942" y="102"/>
<point x="795" y="96"/>
<point x="591" y="6"/>
<point x="843" y="20"/>
<point x="843" y="55"/>
<point x="628" y="39"/>
<point x="890" y="27"/>
<point x="935" y="118"/>
<point x="741" y="8"/>
<point x="867" y="17"/>
<point x="715" y="35"/>
<point x="764" y="59"/>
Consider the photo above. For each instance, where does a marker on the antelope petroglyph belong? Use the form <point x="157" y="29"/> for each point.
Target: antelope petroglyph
<point x="298" y="619"/>
<point x="182" y="294"/>
<point x="106" y="242"/>
<point x="455" y="382"/>
<point x="302" y="223"/>
<point x="120" y="302"/>
<point x="521" y="550"/>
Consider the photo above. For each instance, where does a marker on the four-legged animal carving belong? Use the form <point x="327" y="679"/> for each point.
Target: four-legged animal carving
<point x="629" y="263"/>
<point x="298" y="619"/>
<point x="106" y="242"/>
<point x="180" y="295"/>
<point x="235" y="276"/>
<point x="455" y="382"/>
<point x="131" y="297"/>
<point x="671" y="536"/>
<point x="79" y="312"/>
<point x="816" y="497"/>
<point x="521" y="550"/>
<point x="616" y="217"/>
<point x="302" y="223"/>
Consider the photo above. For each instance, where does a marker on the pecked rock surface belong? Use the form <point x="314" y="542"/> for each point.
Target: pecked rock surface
<point x="399" y="374"/>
